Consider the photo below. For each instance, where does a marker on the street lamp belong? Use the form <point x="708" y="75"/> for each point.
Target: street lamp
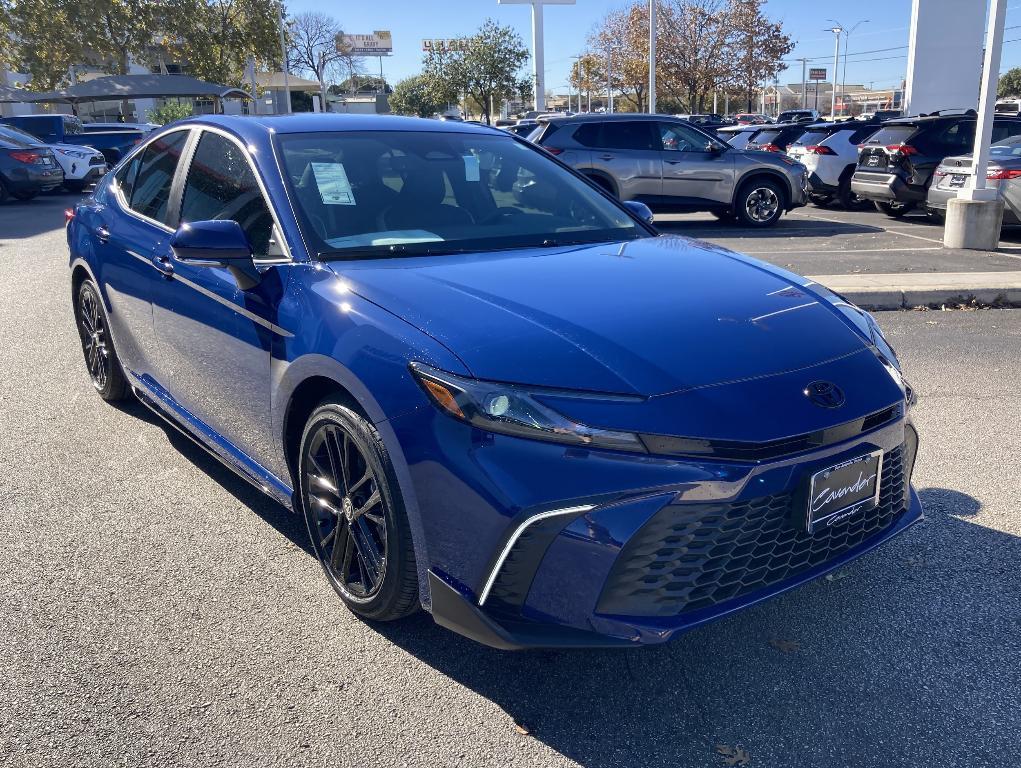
<point x="847" y="42"/>
<point x="836" y="30"/>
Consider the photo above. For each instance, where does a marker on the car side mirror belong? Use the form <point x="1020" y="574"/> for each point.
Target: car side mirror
<point x="218" y="243"/>
<point x="713" y="148"/>
<point x="641" y="210"/>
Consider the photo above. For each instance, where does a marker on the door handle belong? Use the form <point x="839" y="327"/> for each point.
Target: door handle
<point x="672" y="162"/>
<point x="606" y="157"/>
<point x="163" y="265"/>
<point x="102" y="234"/>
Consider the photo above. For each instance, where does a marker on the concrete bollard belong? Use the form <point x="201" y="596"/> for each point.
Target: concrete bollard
<point x="973" y="224"/>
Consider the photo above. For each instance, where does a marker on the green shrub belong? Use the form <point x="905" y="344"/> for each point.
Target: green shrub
<point x="168" y="113"/>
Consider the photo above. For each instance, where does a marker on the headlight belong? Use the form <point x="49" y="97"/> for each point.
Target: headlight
<point x="514" y="410"/>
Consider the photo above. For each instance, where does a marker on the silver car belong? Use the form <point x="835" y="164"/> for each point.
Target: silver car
<point x="1003" y="174"/>
<point x="671" y="166"/>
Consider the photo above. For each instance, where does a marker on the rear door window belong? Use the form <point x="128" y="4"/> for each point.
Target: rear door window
<point x="221" y="185"/>
<point x="958" y="137"/>
<point x="680" y="138"/>
<point x="151" y="193"/>
<point x="616" y="134"/>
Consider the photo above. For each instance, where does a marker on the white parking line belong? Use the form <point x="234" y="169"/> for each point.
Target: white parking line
<point x="847" y="250"/>
<point x="884" y="229"/>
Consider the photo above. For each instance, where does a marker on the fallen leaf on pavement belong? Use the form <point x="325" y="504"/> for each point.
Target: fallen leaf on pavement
<point x="785" y="646"/>
<point x="522" y="729"/>
<point x="734" y="755"/>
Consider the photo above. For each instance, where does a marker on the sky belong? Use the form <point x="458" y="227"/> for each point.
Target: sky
<point x="878" y="47"/>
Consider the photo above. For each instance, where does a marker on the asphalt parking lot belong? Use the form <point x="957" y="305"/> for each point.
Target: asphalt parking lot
<point x="832" y="241"/>
<point x="156" y="611"/>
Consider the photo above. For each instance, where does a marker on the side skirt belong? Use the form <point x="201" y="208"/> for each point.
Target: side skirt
<point x="160" y="402"/>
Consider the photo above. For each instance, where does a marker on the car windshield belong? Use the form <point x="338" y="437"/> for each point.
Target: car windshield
<point x="396" y="193"/>
<point x="18" y="136"/>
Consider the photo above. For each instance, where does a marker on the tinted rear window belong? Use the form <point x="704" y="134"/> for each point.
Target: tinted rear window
<point x="766" y="137"/>
<point x="809" y="138"/>
<point x="893" y="134"/>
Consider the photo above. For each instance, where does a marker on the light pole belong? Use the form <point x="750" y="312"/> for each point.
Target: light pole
<point x="652" y="57"/>
<point x="609" y="85"/>
<point x="538" y="73"/>
<point x="836" y="63"/>
<point x="283" y="54"/>
<point x="847" y="43"/>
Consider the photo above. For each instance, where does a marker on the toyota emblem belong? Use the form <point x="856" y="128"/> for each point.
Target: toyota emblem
<point x="825" y="394"/>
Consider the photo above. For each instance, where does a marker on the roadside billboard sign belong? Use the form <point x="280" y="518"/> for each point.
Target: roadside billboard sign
<point x="379" y="43"/>
<point x="817" y="73"/>
<point x="444" y="45"/>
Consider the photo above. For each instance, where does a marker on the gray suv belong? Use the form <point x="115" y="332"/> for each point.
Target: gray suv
<point x="673" y="167"/>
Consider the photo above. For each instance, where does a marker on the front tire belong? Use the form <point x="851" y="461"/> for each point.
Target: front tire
<point x="355" y="514"/>
<point x="759" y="203"/>
<point x="101" y="359"/>
<point x="24" y="196"/>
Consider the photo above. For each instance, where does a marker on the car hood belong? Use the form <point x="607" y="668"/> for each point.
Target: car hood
<point x="645" y="317"/>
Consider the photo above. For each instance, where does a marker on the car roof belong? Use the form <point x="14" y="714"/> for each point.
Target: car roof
<point x="603" y="117"/>
<point x="328" y="122"/>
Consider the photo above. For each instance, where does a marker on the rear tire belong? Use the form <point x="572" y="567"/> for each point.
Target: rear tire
<point x="895" y="210"/>
<point x="101" y="359"/>
<point x="820" y="201"/>
<point x="759" y="203"/>
<point x="355" y="515"/>
<point x="848" y="199"/>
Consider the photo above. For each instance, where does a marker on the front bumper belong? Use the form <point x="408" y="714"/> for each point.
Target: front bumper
<point x="885" y="188"/>
<point x="539" y="545"/>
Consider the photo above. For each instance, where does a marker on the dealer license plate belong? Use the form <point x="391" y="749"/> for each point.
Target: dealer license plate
<point x="957" y="180"/>
<point x="844" y="490"/>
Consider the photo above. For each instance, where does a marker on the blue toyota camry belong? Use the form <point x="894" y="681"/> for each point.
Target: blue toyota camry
<point x="491" y="389"/>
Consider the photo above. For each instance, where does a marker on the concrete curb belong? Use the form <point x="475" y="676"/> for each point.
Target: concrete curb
<point x="926" y="289"/>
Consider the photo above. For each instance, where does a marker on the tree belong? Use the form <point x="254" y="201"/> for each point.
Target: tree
<point x="759" y="47"/>
<point x="693" y="59"/>
<point x="415" y="96"/>
<point x="588" y="74"/>
<point x="624" y="34"/>
<point x="313" y="46"/>
<point x="485" y="66"/>
<point x="48" y="42"/>
<point x="1010" y="84"/>
<point x="216" y="37"/>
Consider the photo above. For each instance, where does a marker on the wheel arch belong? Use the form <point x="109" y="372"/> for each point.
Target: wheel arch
<point x="601" y="178"/>
<point x="764" y="173"/>
<point x="305" y="384"/>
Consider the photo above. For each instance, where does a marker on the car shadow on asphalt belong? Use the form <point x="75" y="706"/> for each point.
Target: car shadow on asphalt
<point x="787" y="227"/>
<point x="884" y="663"/>
<point x="282" y="520"/>
<point x="20" y="219"/>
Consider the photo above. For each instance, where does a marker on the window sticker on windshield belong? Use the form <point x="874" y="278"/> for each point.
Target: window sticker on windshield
<point x="334" y="188"/>
<point x="471" y="168"/>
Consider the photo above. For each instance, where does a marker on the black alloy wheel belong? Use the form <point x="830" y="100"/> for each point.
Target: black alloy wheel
<point x="355" y="519"/>
<point x="97" y="345"/>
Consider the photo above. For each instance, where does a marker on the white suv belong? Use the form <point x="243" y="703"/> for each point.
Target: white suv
<point x="830" y="152"/>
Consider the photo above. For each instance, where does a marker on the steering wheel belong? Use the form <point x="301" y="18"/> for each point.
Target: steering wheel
<point x="500" y="214"/>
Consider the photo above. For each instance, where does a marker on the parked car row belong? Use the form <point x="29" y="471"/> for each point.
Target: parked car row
<point x="671" y="166"/>
<point x="39" y="153"/>
<point x="757" y="171"/>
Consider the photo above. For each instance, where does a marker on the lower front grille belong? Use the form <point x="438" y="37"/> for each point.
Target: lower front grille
<point x="692" y="556"/>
